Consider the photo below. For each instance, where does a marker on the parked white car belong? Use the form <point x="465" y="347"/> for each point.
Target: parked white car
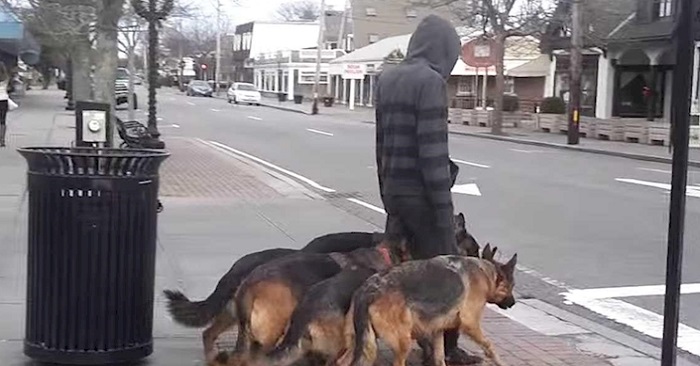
<point x="243" y="93"/>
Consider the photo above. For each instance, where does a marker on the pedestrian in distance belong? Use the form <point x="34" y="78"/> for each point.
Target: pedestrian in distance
<point x="4" y="102"/>
<point x="413" y="162"/>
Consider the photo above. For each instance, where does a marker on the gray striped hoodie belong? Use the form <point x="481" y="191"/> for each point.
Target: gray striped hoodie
<point x="411" y="112"/>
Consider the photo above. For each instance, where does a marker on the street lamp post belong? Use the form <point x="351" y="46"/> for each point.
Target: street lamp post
<point x="153" y="11"/>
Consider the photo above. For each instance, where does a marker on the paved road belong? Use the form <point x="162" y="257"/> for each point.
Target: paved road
<point x="579" y="221"/>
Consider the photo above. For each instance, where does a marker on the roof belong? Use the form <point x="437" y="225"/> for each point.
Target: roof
<point x="275" y="36"/>
<point x="601" y="17"/>
<point x="522" y="57"/>
<point x="376" y="51"/>
<point x="635" y="31"/>
<point x="535" y="68"/>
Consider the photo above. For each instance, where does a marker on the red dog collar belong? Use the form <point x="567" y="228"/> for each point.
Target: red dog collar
<point x="384" y="251"/>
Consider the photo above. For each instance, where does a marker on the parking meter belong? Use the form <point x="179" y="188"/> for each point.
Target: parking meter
<point x="93" y="127"/>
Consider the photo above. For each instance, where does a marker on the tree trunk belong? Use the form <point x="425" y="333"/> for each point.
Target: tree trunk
<point x="106" y="52"/>
<point x="132" y="70"/>
<point x="497" y="116"/>
<point x="80" y="76"/>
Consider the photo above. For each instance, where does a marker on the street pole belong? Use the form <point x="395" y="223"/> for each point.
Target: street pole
<point x="680" y="124"/>
<point x="319" y="48"/>
<point x="217" y="69"/>
<point x="576" y="66"/>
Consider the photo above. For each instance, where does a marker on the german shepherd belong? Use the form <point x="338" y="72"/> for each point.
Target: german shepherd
<point x="267" y="298"/>
<point x="422" y="299"/>
<point x="213" y="310"/>
<point x="317" y="324"/>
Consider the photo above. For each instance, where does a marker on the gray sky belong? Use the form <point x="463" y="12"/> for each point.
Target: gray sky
<point x="253" y="9"/>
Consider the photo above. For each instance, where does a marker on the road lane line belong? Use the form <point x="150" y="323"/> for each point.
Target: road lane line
<point x="471" y="164"/>
<point x="690" y="191"/>
<point x="319" y="132"/>
<point x="655" y="170"/>
<point x="255" y="118"/>
<point x="190" y="103"/>
<point x="367" y="205"/>
<point x="273" y="166"/>
<point x="637" y="318"/>
<point x="176" y="125"/>
<point x="471" y="189"/>
<point x="215" y="110"/>
<point x="632" y="291"/>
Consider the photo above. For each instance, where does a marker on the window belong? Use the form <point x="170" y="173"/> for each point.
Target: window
<point x="371" y="12"/>
<point x="373" y="38"/>
<point x="236" y="43"/>
<point x="465" y="86"/>
<point x="510" y="86"/>
<point x="663" y="8"/>
<point x="309" y="77"/>
<point x="411" y="13"/>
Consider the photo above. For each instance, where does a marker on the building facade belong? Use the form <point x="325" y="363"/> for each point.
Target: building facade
<point x="374" y="20"/>
<point x="250" y="40"/>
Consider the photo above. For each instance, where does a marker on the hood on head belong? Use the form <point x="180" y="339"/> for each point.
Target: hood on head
<point x="436" y="42"/>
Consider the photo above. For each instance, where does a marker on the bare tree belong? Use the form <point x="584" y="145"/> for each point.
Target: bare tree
<point x="500" y="20"/>
<point x="299" y="10"/>
<point x="108" y="14"/>
<point x="131" y="30"/>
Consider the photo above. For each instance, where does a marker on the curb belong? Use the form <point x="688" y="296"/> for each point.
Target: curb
<point x="651" y="158"/>
<point x="283" y="108"/>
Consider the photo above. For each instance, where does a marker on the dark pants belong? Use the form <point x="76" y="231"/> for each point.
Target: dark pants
<point x="4" y="106"/>
<point x="413" y="218"/>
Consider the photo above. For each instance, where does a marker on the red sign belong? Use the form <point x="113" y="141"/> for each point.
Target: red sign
<point x="479" y="52"/>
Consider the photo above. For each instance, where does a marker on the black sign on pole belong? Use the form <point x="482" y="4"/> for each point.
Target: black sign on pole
<point x="680" y="124"/>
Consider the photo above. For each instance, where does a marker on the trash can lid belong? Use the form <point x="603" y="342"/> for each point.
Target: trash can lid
<point x="89" y="162"/>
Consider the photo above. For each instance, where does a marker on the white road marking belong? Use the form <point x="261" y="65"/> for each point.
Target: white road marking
<point x="632" y="291"/>
<point x="690" y="191"/>
<point x="215" y="110"/>
<point x="367" y="205"/>
<point x="255" y="118"/>
<point x="273" y="166"/>
<point x="527" y="151"/>
<point x="159" y="119"/>
<point x="319" y="132"/>
<point x="637" y="318"/>
<point x="471" y="164"/>
<point x="190" y="103"/>
<point x="175" y="125"/>
<point x="471" y="189"/>
<point x="655" y="170"/>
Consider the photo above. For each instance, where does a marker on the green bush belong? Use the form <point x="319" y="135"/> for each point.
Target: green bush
<point x="553" y="105"/>
<point x="511" y="103"/>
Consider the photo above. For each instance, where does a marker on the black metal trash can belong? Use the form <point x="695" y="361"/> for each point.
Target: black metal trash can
<point x="91" y="254"/>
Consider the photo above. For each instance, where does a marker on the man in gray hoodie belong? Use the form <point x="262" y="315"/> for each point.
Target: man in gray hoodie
<point x="413" y="161"/>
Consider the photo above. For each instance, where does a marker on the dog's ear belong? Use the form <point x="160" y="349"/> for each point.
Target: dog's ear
<point x="461" y="221"/>
<point x="510" y="266"/>
<point x="487" y="253"/>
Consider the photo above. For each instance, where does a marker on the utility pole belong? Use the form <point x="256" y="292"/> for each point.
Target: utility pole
<point x="319" y="48"/>
<point x="576" y="66"/>
<point x="680" y="124"/>
<point x="217" y="69"/>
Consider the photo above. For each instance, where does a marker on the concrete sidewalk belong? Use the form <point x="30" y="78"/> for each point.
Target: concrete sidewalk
<point x="219" y="207"/>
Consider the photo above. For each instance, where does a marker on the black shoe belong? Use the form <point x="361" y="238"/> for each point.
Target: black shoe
<point x="459" y="357"/>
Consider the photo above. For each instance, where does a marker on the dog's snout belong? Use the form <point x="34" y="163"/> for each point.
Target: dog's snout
<point x="507" y="303"/>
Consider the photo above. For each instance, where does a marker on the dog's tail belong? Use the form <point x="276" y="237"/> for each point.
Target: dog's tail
<point x="364" y="350"/>
<point x="195" y="314"/>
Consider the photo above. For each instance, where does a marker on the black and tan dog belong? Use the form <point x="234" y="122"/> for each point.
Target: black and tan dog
<point x="267" y="298"/>
<point x="420" y="300"/>
<point x="317" y="324"/>
<point x="214" y="312"/>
